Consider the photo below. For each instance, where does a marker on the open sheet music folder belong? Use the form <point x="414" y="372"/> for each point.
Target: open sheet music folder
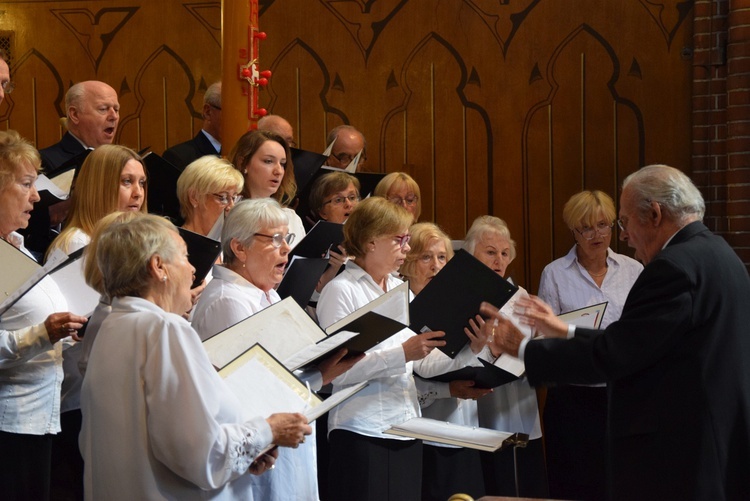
<point x="453" y="297"/>
<point x="590" y="317"/>
<point x="202" y="253"/>
<point x="264" y="387"/>
<point x="321" y="237"/>
<point x="21" y="273"/>
<point x="482" y="439"/>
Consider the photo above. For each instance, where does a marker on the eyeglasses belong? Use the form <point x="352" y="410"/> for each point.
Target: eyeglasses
<point x="623" y="224"/>
<point x="215" y="107"/>
<point x="402" y="240"/>
<point x="8" y="86"/>
<point x="346" y="158"/>
<point x="601" y="229"/>
<point x="278" y="238"/>
<point x="427" y="258"/>
<point x="225" y="199"/>
<point x="410" y="200"/>
<point x="339" y="200"/>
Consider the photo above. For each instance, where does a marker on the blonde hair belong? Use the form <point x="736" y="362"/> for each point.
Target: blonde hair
<point x="328" y="184"/>
<point x="97" y="191"/>
<point x="583" y="209"/>
<point x="14" y="152"/>
<point x="204" y="176"/>
<point x="484" y="225"/>
<point x="243" y="151"/>
<point x="124" y="251"/>
<point x="395" y="179"/>
<point x="372" y="218"/>
<point x="421" y="236"/>
<point x="91" y="272"/>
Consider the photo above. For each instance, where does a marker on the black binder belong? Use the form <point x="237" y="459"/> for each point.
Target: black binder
<point x="202" y="253"/>
<point x="162" y="187"/>
<point x="301" y="278"/>
<point x="487" y="376"/>
<point x="318" y="240"/>
<point x="453" y="297"/>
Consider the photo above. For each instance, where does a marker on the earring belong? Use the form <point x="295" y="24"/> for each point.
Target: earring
<point x="164" y="278"/>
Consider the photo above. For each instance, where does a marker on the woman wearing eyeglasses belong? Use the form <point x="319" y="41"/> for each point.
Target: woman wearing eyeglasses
<point x="366" y="463"/>
<point x="401" y="189"/>
<point x="208" y="188"/>
<point x="256" y="242"/>
<point x="264" y="159"/>
<point x="591" y="273"/>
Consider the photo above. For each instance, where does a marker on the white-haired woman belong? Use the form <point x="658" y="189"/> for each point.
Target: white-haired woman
<point x="512" y="407"/>
<point x="256" y="243"/>
<point x="158" y="420"/>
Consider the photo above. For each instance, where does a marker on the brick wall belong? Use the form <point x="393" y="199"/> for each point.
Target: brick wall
<point x="721" y="117"/>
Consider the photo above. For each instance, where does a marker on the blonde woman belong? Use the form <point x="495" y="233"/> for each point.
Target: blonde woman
<point x="401" y="189"/>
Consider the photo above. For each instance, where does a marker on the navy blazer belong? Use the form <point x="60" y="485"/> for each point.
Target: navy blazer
<point x="59" y="153"/>
<point x="180" y="155"/>
<point x="677" y="364"/>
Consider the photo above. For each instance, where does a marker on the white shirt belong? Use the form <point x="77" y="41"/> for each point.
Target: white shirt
<point x="158" y="421"/>
<point x="229" y="299"/>
<point x="70" y="395"/>
<point x="566" y="285"/>
<point x="30" y="367"/>
<point x="391" y="397"/>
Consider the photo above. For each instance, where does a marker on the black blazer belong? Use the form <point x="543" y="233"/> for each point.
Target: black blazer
<point x="677" y="364"/>
<point x="59" y="153"/>
<point x="180" y="155"/>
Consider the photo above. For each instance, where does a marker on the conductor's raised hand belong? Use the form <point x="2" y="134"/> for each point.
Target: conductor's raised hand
<point x="289" y="429"/>
<point x="538" y="314"/>
<point x="507" y="338"/>
<point x="419" y="346"/>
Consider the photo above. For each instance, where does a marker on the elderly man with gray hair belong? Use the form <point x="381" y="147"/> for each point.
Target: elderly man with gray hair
<point x="208" y="139"/>
<point x="676" y="361"/>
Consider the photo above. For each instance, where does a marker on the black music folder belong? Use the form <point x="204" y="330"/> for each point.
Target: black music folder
<point x="162" y="187"/>
<point x="453" y="297"/>
<point x="487" y="376"/>
<point x="300" y="279"/>
<point x="306" y="166"/>
<point x="202" y="253"/>
<point x="321" y="237"/>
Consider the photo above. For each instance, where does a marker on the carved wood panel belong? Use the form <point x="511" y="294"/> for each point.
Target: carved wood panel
<point x="505" y="107"/>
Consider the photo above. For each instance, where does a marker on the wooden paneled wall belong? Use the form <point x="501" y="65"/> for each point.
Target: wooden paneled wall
<point x="504" y="107"/>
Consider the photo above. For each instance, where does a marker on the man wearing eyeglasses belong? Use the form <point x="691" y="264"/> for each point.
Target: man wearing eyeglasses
<point x="676" y="362"/>
<point x="208" y="139"/>
<point x="349" y="142"/>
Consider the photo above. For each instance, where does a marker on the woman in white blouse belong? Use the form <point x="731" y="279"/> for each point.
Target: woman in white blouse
<point x="30" y="354"/>
<point x="365" y="462"/>
<point x="158" y="421"/>
<point x="446" y="469"/>
<point x="112" y="178"/>
<point x="263" y="157"/>
<point x="512" y="407"/>
<point x="591" y="273"/>
<point x="256" y="242"/>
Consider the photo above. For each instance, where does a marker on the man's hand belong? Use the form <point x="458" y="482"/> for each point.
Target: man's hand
<point x="506" y="336"/>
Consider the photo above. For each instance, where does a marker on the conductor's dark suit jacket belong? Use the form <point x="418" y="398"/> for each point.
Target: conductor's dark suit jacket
<point x="677" y="364"/>
<point x="180" y="155"/>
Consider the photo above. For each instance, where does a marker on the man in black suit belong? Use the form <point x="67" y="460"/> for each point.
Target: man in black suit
<point x="93" y="112"/>
<point x="208" y="139"/>
<point x="677" y="363"/>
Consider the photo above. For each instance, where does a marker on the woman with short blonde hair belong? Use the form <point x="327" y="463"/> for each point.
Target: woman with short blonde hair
<point x="401" y="189"/>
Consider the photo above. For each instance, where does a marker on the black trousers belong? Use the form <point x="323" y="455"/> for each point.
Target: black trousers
<point x="499" y="471"/>
<point x="25" y="466"/>
<point x="369" y="469"/>
<point x="575" y="422"/>
<point x="67" y="464"/>
<point x="447" y="471"/>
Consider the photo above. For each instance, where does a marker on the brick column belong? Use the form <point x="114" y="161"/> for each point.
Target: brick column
<point x="721" y="117"/>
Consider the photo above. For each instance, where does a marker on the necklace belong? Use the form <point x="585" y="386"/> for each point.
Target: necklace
<point x="597" y="275"/>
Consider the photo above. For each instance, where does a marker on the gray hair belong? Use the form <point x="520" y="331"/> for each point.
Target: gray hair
<point x="484" y="225"/>
<point x="74" y="96"/>
<point x="671" y="188"/>
<point x="248" y="218"/>
<point x="125" y="249"/>
<point x="212" y="96"/>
